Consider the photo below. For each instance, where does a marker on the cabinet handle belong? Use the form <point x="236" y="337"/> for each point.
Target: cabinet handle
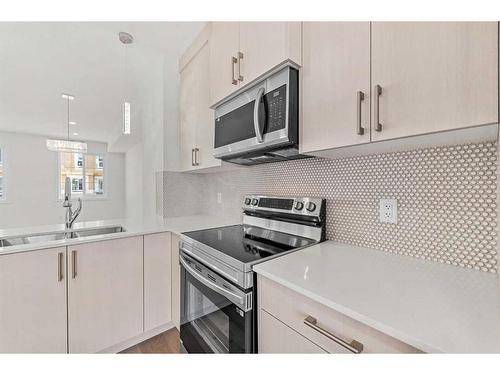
<point x="378" y="92"/>
<point x="359" y="98"/>
<point x="192" y="157"/>
<point x="196" y="150"/>
<point x="351" y="345"/>
<point x="60" y="258"/>
<point x="240" y="69"/>
<point x="73" y="264"/>
<point x="234" y="61"/>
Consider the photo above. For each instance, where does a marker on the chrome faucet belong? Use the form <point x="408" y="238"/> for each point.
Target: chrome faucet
<point x="70" y="215"/>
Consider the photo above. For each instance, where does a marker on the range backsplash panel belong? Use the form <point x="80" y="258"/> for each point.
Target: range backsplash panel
<point x="446" y="199"/>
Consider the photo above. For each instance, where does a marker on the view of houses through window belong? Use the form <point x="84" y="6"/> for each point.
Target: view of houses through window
<point x="85" y="171"/>
<point x="1" y="176"/>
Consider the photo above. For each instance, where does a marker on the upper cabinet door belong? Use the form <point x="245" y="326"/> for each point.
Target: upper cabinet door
<point x="204" y="116"/>
<point x="224" y="43"/>
<point x="433" y="76"/>
<point x="335" y="85"/>
<point x="187" y="114"/>
<point x="264" y="45"/>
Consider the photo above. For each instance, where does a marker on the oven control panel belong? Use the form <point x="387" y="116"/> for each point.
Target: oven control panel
<point x="293" y="205"/>
<point x="275" y="102"/>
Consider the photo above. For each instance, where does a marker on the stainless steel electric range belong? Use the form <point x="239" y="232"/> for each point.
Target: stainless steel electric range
<point x="218" y="287"/>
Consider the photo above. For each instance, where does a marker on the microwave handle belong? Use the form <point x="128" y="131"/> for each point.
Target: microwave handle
<point x="256" y="126"/>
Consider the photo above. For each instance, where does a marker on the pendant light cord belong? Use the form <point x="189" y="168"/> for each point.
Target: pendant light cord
<point x="67" y="99"/>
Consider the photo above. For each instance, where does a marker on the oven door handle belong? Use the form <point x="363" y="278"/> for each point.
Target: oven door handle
<point x="258" y="134"/>
<point x="239" y="300"/>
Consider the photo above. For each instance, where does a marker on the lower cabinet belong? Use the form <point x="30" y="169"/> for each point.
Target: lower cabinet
<point x="291" y="328"/>
<point x="157" y="280"/>
<point x="276" y="337"/>
<point x="33" y="302"/>
<point x="176" y="282"/>
<point x="105" y="293"/>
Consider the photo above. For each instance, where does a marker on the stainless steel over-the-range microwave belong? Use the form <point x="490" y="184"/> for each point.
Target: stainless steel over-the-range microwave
<point x="260" y="124"/>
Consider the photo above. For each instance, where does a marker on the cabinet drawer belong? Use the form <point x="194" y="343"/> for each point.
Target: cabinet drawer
<point x="276" y="337"/>
<point x="276" y="299"/>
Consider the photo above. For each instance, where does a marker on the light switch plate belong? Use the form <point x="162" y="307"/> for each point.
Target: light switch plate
<point x="388" y="211"/>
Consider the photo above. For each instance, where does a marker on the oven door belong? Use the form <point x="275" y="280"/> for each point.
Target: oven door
<point x="263" y="117"/>
<point x="216" y="316"/>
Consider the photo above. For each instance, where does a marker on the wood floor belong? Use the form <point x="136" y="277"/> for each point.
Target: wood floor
<point x="166" y="342"/>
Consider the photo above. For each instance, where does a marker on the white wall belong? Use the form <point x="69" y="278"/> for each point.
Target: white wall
<point x="32" y="185"/>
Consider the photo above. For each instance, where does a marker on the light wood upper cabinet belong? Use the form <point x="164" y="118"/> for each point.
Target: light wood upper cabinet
<point x="196" y="117"/>
<point x="33" y="315"/>
<point x="157" y="280"/>
<point x="336" y="67"/>
<point x="224" y="44"/>
<point x="105" y="293"/>
<point x="434" y="76"/>
<point x="240" y="52"/>
<point x="265" y="45"/>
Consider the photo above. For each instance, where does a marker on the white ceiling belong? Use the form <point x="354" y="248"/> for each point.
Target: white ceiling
<point x="39" y="61"/>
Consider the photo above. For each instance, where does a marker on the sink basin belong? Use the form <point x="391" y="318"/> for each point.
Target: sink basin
<point x="48" y="237"/>
<point x="96" y="231"/>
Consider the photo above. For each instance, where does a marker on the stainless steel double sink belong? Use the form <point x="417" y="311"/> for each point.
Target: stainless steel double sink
<point x="54" y="236"/>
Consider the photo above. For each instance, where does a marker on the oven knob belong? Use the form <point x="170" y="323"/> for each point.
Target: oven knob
<point x="255" y="201"/>
<point x="311" y="206"/>
<point x="299" y="206"/>
<point x="247" y="201"/>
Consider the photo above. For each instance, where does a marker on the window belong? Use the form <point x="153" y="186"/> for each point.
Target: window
<point x="2" y="177"/>
<point x="85" y="171"/>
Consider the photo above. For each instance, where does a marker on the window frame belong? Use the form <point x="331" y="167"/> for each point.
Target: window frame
<point x="5" y="177"/>
<point x="83" y="195"/>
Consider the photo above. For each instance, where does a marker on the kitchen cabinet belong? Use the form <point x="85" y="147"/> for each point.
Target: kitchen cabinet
<point x="157" y="280"/>
<point x="105" y="293"/>
<point x="264" y="45"/>
<point x="433" y="76"/>
<point x="426" y="78"/>
<point x="176" y="282"/>
<point x="33" y="315"/>
<point x="277" y="338"/>
<point x="335" y="85"/>
<point x="224" y="45"/>
<point x="196" y="118"/>
<point x="240" y="52"/>
<point x="328" y="329"/>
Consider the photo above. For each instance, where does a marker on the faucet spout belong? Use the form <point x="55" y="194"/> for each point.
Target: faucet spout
<point x="70" y="215"/>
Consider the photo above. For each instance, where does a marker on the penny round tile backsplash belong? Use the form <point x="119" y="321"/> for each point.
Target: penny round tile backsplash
<point x="446" y="199"/>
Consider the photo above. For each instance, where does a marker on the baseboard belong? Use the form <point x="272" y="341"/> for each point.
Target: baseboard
<point x="139" y="338"/>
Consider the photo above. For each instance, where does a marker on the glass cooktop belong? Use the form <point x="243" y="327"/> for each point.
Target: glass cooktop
<point x="248" y="243"/>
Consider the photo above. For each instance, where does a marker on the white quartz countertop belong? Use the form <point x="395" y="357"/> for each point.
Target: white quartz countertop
<point x="175" y="225"/>
<point x="431" y="306"/>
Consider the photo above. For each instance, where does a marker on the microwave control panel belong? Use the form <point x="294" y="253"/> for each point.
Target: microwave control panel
<point x="275" y="102"/>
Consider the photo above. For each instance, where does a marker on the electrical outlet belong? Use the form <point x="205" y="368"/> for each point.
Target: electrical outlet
<point x="388" y="211"/>
<point x="219" y="198"/>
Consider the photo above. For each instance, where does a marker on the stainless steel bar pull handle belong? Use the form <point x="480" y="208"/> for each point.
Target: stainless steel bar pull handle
<point x="73" y="264"/>
<point x="192" y="158"/>
<point x="360" y="96"/>
<point x="240" y="69"/>
<point x="378" y="92"/>
<point x="258" y="133"/>
<point x="351" y="345"/>
<point x="60" y="259"/>
<point x="234" y="61"/>
<point x="196" y="150"/>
